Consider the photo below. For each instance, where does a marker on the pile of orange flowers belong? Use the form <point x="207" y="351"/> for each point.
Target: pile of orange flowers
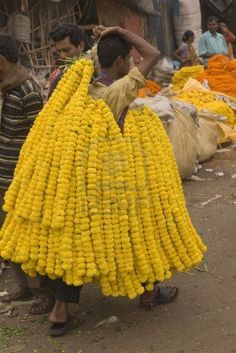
<point x="221" y="75"/>
<point x="151" y="89"/>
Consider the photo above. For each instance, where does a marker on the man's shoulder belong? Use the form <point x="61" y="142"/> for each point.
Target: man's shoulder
<point x="208" y="34"/>
<point x="219" y="35"/>
<point x="205" y="34"/>
<point x="25" y="88"/>
<point x="28" y="86"/>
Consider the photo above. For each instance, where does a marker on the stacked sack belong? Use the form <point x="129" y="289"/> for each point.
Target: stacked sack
<point x="213" y="110"/>
<point x="181" y="123"/>
<point x="207" y="138"/>
<point x="88" y="204"/>
<point x="182" y="133"/>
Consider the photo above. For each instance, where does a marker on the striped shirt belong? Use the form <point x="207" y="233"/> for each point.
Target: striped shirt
<point x="20" y="107"/>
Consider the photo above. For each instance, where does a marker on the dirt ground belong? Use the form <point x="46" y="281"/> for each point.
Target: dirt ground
<point x="203" y="318"/>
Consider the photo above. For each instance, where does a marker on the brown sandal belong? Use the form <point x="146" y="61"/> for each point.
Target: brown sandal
<point x="58" y="329"/>
<point x="162" y="295"/>
<point x="42" y="306"/>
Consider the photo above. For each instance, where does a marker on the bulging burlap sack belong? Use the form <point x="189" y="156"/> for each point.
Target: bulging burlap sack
<point x="206" y="139"/>
<point x="182" y="132"/>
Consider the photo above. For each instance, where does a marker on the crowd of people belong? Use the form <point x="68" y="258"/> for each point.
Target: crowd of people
<point x="117" y="84"/>
<point x="218" y="39"/>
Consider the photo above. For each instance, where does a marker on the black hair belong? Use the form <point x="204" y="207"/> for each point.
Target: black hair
<point x="212" y="19"/>
<point x="110" y="47"/>
<point x="187" y="34"/>
<point x="70" y="30"/>
<point x="8" y="48"/>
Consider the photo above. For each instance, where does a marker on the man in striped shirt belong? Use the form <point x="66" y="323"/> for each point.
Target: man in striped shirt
<point x="20" y="104"/>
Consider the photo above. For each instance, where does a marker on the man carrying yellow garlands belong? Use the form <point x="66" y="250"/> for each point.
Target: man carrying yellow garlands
<point x="96" y="195"/>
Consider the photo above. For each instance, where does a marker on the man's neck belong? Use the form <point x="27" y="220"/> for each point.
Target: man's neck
<point x="111" y="72"/>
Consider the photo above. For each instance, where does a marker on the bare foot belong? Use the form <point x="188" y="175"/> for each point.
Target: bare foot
<point x="59" y="312"/>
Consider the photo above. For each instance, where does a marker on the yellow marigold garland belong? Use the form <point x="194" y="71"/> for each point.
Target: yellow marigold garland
<point x="41" y="132"/>
<point x="181" y="76"/>
<point x="205" y="100"/>
<point x="90" y="204"/>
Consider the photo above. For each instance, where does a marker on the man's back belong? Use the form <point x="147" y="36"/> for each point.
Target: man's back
<point x="118" y="94"/>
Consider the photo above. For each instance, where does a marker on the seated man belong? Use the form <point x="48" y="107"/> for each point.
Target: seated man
<point x="212" y="42"/>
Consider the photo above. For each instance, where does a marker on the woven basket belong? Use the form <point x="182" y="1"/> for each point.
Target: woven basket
<point x="19" y="27"/>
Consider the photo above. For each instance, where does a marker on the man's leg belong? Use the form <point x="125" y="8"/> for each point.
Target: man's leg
<point x="64" y="294"/>
<point x="61" y="321"/>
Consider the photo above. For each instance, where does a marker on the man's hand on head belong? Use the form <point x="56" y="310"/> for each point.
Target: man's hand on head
<point x="101" y="30"/>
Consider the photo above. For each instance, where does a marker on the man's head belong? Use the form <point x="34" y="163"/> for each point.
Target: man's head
<point x="68" y="40"/>
<point x="114" y="53"/>
<point x="8" y="54"/>
<point x="213" y="24"/>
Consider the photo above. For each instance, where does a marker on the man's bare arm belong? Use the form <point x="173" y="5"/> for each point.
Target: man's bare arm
<point x="149" y="54"/>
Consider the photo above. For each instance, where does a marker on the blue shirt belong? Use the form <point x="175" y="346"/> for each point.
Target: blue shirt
<point x="210" y="44"/>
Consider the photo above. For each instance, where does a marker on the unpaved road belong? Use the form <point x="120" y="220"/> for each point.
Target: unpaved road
<point x="202" y="320"/>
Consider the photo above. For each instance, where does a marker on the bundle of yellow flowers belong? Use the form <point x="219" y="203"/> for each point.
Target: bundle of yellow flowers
<point x="213" y="102"/>
<point x="181" y="76"/>
<point x="90" y="204"/>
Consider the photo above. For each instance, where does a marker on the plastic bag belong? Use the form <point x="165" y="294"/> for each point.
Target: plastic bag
<point x="225" y="133"/>
<point x="162" y="72"/>
<point x="193" y="85"/>
<point x="165" y="64"/>
<point x="160" y="105"/>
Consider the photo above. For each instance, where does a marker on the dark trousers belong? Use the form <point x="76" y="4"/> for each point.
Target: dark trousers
<point x="66" y="293"/>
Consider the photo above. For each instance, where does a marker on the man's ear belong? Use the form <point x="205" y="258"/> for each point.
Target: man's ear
<point x="119" y="60"/>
